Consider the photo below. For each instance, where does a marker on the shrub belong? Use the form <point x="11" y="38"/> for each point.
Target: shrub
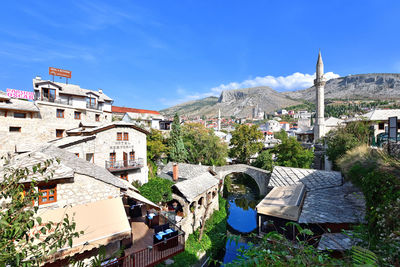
<point x="157" y="190"/>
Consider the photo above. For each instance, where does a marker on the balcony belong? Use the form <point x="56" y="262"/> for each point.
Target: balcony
<point x="143" y="251"/>
<point x="93" y="106"/>
<point x="53" y="100"/>
<point x="114" y="166"/>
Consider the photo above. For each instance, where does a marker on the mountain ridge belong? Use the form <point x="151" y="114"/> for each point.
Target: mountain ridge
<point x="240" y="102"/>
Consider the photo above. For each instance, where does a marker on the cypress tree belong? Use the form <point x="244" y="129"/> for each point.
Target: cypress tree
<point x="177" y="151"/>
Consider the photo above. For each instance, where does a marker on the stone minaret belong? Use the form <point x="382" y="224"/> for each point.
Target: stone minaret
<point x="219" y="119"/>
<point x="319" y="82"/>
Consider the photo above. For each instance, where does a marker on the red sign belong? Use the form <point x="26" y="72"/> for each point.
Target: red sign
<point x="19" y="94"/>
<point x="60" y="72"/>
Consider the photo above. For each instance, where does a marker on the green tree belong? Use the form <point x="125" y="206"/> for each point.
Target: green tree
<point x="156" y="145"/>
<point x="281" y="135"/>
<point x="24" y="239"/>
<point x="291" y="154"/>
<point x="203" y="146"/>
<point x="157" y="190"/>
<point x="246" y="141"/>
<point x="264" y="161"/>
<point x="177" y="152"/>
<point x="346" y="138"/>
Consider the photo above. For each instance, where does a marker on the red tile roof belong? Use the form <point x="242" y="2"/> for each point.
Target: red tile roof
<point x="134" y="110"/>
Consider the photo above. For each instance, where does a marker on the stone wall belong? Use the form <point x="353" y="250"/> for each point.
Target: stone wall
<point x="38" y="128"/>
<point x="106" y="143"/>
<point x="82" y="189"/>
<point x="193" y="220"/>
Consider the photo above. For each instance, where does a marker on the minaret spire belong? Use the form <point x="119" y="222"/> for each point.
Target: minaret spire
<point x="219" y="119"/>
<point x="319" y="83"/>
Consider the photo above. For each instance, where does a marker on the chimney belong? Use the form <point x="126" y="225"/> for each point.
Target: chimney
<point x="38" y="78"/>
<point x="100" y="91"/>
<point x="175" y="172"/>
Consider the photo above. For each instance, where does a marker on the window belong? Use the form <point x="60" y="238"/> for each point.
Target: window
<point x="59" y="133"/>
<point x="91" y="102"/>
<point x="132" y="155"/>
<point x="60" y="113"/>
<point x="19" y="115"/>
<point x="124" y="176"/>
<point x="15" y="129"/>
<point x="381" y="126"/>
<point x="77" y="115"/>
<point x="126" y="136"/>
<point x="77" y="155"/>
<point x="112" y="160"/>
<point x="89" y="157"/>
<point x="97" y="116"/>
<point x="48" y="194"/>
<point x="119" y="136"/>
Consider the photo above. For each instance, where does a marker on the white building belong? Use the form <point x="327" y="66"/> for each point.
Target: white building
<point x="272" y="126"/>
<point x="57" y="108"/>
<point x="148" y="119"/>
<point x="119" y="147"/>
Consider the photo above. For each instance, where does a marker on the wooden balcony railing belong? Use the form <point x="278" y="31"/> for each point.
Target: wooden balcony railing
<point x="124" y="164"/>
<point x="151" y="255"/>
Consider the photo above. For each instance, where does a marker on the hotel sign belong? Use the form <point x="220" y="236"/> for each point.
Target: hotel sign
<point x="60" y="72"/>
<point x="20" y="94"/>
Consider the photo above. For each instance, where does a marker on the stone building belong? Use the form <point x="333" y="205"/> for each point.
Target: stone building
<point x="57" y="108"/>
<point x="318" y="200"/>
<point x="195" y="194"/>
<point x="119" y="147"/>
<point x="92" y="195"/>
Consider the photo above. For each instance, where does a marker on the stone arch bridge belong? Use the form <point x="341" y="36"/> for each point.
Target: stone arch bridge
<point x="259" y="175"/>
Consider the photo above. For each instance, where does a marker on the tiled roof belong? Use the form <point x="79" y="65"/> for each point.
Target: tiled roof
<point x="312" y="179"/>
<point x="339" y="204"/>
<point x="106" y="127"/>
<point x="70" y="140"/>
<point x="116" y="109"/>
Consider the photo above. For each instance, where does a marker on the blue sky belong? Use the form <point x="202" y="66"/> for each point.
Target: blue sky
<point x="154" y="54"/>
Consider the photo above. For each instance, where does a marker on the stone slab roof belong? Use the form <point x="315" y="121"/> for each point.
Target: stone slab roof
<point x="339" y="204"/>
<point x="70" y="140"/>
<point x="109" y="126"/>
<point x="3" y="95"/>
<point x="336" y="241"/>
<point x="196" y="186"/>
<point x="69" y="164"/>
<point x="312" y="179"/>
<point x="17" y="104"/>
<point x="185" y="171"/>
<point x="381" y="114"/>
<point x="73" y="89"/>
<point x="333" y="122"/>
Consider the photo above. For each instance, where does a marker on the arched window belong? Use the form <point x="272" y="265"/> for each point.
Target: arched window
<point x="200" y="202"/>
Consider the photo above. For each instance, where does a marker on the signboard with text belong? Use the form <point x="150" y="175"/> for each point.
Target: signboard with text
<point x="20" y="94"/>
<point x="60" y="72"/>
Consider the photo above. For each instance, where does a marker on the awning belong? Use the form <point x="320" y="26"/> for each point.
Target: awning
<point x="103" y="222"/>
<point x="283" y="202"/>
<point x="139" y="197"/>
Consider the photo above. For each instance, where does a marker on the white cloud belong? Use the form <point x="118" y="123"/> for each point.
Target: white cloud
<point x="294" y="81"/>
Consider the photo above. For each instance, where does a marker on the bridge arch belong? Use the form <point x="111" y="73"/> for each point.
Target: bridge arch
<point x="260" y="176"/>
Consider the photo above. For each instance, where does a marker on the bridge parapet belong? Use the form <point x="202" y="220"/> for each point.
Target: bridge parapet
<point x="259" y="175"/>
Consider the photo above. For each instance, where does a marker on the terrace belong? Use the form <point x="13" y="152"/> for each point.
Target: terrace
<point x="146" y="249"/>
